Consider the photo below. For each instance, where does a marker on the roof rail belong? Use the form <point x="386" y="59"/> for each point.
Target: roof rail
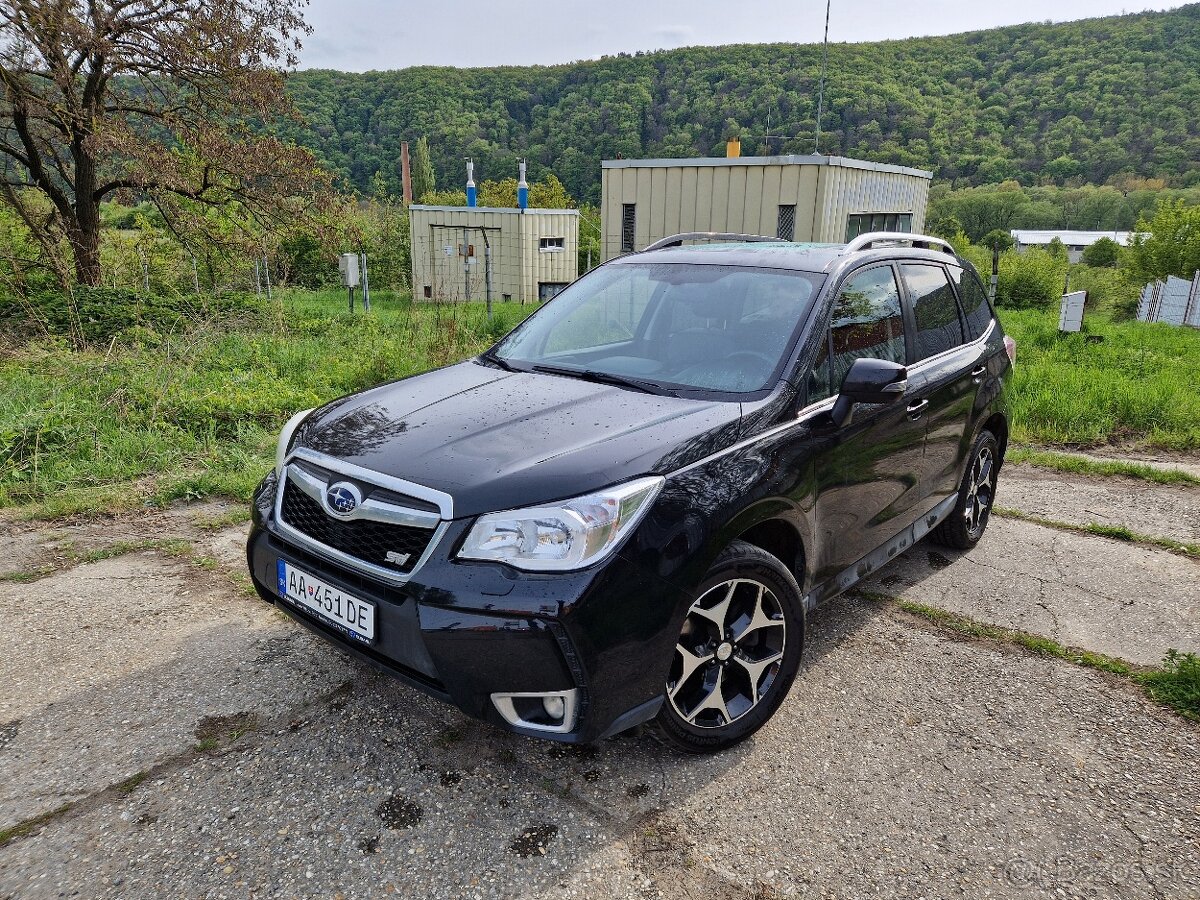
<point x="867" y="241"/>
<point x="676" y="240"/>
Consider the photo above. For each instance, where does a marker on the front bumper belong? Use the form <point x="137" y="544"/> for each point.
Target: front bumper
<point x="462" y="631"/>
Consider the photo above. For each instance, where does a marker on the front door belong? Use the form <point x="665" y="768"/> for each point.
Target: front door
<point x="868" y="472"/>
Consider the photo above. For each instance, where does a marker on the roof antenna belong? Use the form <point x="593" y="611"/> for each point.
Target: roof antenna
<point x="821" y="89"/>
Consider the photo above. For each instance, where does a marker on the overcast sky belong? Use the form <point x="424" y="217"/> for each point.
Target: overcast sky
<point x="357" y="35"/>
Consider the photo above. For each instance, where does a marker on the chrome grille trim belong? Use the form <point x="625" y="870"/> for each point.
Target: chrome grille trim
<point x="377" y="511"/>
<point x="370" y="509"/>
<point x="443" y="501"/>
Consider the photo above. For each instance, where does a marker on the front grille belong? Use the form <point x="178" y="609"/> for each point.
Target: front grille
<point x="361" y="538"/>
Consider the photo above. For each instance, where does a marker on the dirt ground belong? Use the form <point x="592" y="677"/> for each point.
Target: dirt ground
<point x="205" y="746"/>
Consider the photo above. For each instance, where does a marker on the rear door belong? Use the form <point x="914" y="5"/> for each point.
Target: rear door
<point x="868" y="472"/>
<point x="944" y="376"/>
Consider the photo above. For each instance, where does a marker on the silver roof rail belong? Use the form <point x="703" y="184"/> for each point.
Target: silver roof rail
<point x="867" y="241"/>
<point x="676" y="240"/>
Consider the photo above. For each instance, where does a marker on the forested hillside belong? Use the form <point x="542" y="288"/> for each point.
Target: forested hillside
<point x="1042" y="103"/>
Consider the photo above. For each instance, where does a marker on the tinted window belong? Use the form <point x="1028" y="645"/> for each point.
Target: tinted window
<point x="712" y="327"/>
<point x="974" y="301"/>
<point x="934" y="308"/>
<point x="867" y="321"/>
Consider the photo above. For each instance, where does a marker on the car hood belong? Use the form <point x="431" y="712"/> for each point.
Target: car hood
<point x="497" y="440"/>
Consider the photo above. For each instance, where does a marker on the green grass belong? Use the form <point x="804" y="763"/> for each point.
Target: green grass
<point x="32" y="825"/>
<point x="1175" y="684"/>
<point x="196" y="413"/>
<point x="148" y="418"/>
<point x="1137" y="384"/>
<point x="1078" y="465"/>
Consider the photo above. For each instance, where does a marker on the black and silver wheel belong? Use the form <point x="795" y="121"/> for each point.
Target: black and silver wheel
<point x="965" y="525"/>
<point x="737" y="654"/>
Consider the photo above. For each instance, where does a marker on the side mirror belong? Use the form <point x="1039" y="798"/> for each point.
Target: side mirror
<point x="869" y="381"/>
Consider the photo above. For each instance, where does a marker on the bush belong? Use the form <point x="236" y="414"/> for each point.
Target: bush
<point x="1030" y="279"/>
<point x="1104" y="253"/>
<point x="97" y="315"/>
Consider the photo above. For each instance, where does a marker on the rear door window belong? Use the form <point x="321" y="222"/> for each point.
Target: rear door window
<point x="867" y="321"/>
<point x="974" y="301"/>
<point x="935" y="309"/>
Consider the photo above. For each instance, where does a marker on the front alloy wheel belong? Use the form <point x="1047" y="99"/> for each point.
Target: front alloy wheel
<point x="737" y="651"/>
<point x="728" y="653"/>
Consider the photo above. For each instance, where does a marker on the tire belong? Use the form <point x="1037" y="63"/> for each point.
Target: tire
<point x="737" y="654"/>
<point x="976" y="494"/>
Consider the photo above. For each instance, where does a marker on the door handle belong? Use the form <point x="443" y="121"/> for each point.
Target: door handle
<point x="916" y="410"/>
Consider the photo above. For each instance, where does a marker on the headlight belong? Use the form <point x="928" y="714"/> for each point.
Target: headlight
<point x="285" y="439"/>
<point x="570" y="534"/>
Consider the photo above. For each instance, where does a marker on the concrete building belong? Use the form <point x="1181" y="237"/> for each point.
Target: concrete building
<point x="1075" y="241"/>
<point x="534" y="252"/>
<point x="802" y="198"/>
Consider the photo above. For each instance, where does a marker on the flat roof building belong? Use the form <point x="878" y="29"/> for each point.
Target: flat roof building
<point x="534" y="252"/>
<point x="800" y="198"/>
<point x="1075" y="241"/>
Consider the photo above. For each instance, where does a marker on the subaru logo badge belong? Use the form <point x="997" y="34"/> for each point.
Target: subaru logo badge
<point x="342" y="498"/>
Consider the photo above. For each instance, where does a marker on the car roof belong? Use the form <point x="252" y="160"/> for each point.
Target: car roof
<point x="803" y="257"/>
<point x="771" y="255"/>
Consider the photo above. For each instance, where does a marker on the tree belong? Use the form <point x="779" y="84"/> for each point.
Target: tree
<point x="1057" y="249"/>
<point x="1167" y="244"/>
<point x="1101" y="254"/>
<point x="548" y="194"/>
<point x="150" y="99"/>
<point x="423" y="182"/>
<point x="998" y="240"/>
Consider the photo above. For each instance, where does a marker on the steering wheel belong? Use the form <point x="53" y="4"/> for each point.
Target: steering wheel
<point x="761" y="357"/>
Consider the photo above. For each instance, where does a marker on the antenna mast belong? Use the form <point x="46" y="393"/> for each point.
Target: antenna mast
<point x="821" y="89"/>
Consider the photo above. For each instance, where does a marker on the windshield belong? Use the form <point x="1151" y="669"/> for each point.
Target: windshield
<point x="669" y="325"/>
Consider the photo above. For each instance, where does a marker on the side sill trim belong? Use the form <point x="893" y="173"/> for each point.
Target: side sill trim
<point x="878" y="557"/>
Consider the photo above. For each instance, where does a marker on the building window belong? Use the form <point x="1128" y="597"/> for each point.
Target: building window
<point x="548" y="290"/>
<point x="786" y="229"/>
<point x="551" y="245"/>
<point x="862" y="223"/>
<point x="628" y="226"/>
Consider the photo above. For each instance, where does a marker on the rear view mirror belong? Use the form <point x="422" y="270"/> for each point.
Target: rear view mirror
<point x="869" y="381"/>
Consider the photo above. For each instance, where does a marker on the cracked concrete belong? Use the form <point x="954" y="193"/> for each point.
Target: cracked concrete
<point x="1109" y="596"/>
<point x="905" y="762"/>
<point x="1158" y="510"/>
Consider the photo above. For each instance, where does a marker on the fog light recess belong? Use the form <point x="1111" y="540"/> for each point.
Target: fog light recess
<point x="552" y="711"/>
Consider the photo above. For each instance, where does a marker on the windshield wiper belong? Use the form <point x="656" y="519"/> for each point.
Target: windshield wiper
<point x="646" y="387"/>
<point x="495" y="360"/>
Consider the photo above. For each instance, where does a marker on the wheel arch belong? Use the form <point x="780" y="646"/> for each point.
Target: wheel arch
<point x="997" y="424"/>
<point x="782" y="539"/>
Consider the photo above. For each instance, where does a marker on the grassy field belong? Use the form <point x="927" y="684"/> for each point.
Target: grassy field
<point x="146" y="418"/>
<point x="1125" y="382"/>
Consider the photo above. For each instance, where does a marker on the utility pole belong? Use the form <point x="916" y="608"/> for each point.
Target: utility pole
<point x="366" y="283"/>
<point x="487" y="270"/>
<point x="995" y="275"/>
<point x="821" y="88"/>
<point x="466" y="249"/>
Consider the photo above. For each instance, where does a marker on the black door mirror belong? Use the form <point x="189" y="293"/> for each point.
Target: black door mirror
<point x="869" y="381"/>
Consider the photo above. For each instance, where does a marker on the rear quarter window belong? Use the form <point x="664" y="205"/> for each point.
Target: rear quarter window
<point x="974" y="301"/>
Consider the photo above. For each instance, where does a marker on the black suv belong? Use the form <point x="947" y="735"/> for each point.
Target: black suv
<point x="626" y="509"/>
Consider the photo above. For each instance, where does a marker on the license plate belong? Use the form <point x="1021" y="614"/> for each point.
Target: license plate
<point x="350" y="615"/>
